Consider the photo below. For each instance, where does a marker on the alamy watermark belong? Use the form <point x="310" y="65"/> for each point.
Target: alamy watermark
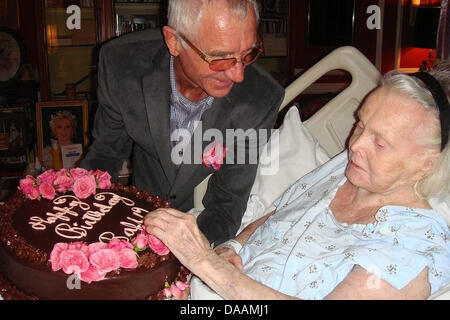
<point x="73" y="282"/>
<point x="242" y="147"/>
<point x="374" y="21"/>
<point x="74" y="20"/>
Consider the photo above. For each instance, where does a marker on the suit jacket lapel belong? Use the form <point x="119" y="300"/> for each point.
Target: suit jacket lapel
<point x="215" y="117"/>
<point x="157" y="91"/>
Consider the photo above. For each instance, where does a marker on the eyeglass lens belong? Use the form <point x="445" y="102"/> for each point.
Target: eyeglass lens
<point x="224" y="64"/>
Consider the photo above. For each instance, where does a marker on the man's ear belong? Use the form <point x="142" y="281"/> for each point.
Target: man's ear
<point x="172" y="41"/>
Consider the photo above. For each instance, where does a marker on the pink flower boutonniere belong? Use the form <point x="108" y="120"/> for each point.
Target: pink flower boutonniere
<point x="215" y="156"/>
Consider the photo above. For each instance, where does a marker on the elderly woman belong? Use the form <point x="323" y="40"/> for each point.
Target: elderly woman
<point x="360" y="226"/>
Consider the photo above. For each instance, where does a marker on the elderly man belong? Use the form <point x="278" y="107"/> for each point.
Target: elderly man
<point x="156" y="95"/>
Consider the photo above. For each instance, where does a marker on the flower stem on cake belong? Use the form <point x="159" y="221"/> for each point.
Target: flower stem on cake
<point x="144" y="240"/>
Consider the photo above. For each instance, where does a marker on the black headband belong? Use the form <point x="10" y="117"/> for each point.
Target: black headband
<point x="440" y="98"/>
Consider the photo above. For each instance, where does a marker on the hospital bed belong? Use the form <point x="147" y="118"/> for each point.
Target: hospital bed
<point x="330" y="127"/>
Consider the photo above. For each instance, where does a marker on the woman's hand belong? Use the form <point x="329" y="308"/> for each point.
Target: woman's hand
<point x="180" y="233"/>
<point x="230" y="256"/>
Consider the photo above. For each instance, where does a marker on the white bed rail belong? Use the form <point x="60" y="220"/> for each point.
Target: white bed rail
<point x="332" y="124"/>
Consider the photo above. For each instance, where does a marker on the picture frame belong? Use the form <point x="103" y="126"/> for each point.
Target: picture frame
<point x="12" y="129"/>
<point x="49" y="112"/>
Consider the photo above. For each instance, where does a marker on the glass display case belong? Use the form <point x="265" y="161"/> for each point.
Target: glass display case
<point x="133" y="16"/>
<point x="71" y="41"/>
<point x="68" y="52"/>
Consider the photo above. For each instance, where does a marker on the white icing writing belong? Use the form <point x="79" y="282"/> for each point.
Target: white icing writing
<point x="135" y="225"/>
<point x="107" y="236"/>
<point x="64" y="211"/>
<point x="70" y="232"/>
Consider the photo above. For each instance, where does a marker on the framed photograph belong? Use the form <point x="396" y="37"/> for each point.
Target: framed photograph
<point x="13" y="139"/>
<point x="63" y="121"/>
<point x="12" y="128"/>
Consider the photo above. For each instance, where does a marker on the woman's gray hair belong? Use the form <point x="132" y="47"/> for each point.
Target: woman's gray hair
<point x="438" y="182"/>
<point x="184" y="15"/>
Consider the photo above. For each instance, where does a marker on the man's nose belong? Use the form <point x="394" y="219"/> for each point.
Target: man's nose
<point x="236" y="73"/>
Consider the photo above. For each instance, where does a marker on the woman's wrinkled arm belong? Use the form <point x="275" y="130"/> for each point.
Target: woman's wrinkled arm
<point x="243" y="236"/>
<point x="179" y="231"/>
<point x="362" y="285"/>
<point x="229" y="252"/>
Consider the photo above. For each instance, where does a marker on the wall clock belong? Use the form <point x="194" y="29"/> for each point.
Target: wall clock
<point x="11" y="54"/>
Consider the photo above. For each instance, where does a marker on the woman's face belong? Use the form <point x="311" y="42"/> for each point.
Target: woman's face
<point x="63" y="130"/>
<point x="385" y="155"/>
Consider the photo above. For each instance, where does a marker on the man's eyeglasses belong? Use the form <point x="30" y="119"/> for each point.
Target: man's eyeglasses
<point x="222" y="64"/>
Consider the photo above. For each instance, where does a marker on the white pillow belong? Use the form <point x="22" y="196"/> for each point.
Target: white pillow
<point x="290" y="153"/>
<point x="442" y="206"/>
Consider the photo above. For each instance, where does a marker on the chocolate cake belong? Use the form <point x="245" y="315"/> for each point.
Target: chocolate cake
<point x="29" y="230"/>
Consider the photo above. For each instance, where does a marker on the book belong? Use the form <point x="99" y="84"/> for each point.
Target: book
<point x="71" y="155"/>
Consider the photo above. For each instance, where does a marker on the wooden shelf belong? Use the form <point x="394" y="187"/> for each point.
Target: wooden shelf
<point x="137" y="8"/>
<point x="72" y="46"/>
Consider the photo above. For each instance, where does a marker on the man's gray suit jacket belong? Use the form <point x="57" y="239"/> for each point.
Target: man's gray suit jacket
<point x="133" y="117"/>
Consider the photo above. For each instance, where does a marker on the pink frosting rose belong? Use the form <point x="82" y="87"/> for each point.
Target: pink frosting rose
<point x="92" y="274"/>
<point x="34" y="193"/>
<point x="62" y="172"/>
<point x="177" y="293"/>
<point x="141" y="241"/>
<point x="78" y="172"/>
<point x="29" y="187"/>
<point x="181" y="285"/>
<point x="56" y="253"/>
<point x="157" y="246"/>
<point x="96" y="246"/>
<point x="82" y="246"/>
<point x="105" y="260"/>
<point x="48" y="176"/>
<point x="92" y="262"/>
<point x="128" y="259"/>
<point x="73" y="261"/>
<point x="117" y="244"/>
<point x="63" y="180"/>
<point x="47" y="191"/>
<point x="103" y="179"/>
<point x="84" y="186"/>
<point x="27" y="184"/>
